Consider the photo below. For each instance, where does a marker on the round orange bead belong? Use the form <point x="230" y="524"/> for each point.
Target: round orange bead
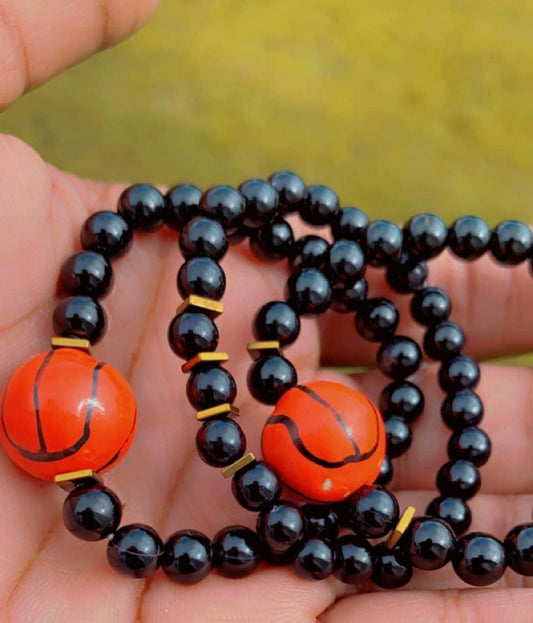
<point x="325" y="440"/>
<point x="64" y="411"/>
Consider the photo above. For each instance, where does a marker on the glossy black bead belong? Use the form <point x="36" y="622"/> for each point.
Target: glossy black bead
<point x="399" y="357"/>
<point x="210" y="385"/>
<point x="519" y="548"/>
<point x="106" y="233"/>
<point x="182" y="204"/>
<point x="201" y="276"/>
<point x="469" y="237"/>
<point x="458" y="373"/>
<point x="347" y="297"/>
<point x="236" y="551"/>
<point x="308" y="291"/>
<point x="320" y="521"/>
<point x="269" y="377"/>
<point x="424" y="236"/>
<point x="220" y="442"/>
<point x="291" y="190"/>
<point x="272" y="242"/>
<point x="135" y="550"/>
<point x="479" y="559"/>
<point x="319" y="206"/>
<point x="261" y="200"/>
<point x="352" y="559"/>
<point x="431" y="543"/>
<point x="191" y="333"/>
<point x="346" y="262"/>
<point x="391" y="568"/>
<point x="92" y="513"/>
<point x="142" y="206"/>
<point x="386" y="472"/>
<point x="402" y="398"/>
<point x="350" y="224"/>
<point x="462" y="409"/>
<point x="280" y="526"/>
<point x="87" y="273"/>
<point x="444" y="340"/>
<point x="399" y="436"/>
<point x="459" y="479"/>
<point x="203" y="237"/>
<point x="371" y="511"/>
<point x="309" y="251"/>
<point x="383" y="243"/>
<point x="256" y="486"/>
<point x="430" y="306"/>
<point x="511" y="242"/>
<point x="454" y="511"/>
<point x="225" y="204"/>
<point x="377" y="319"/>
<point x="187" y="557"/>
<point x="471" y="444"/>
<point x="276" y="321"/>
<point x="407" y="276"/>
<point x="314" y="560"/>
<point x="79" y="316"/>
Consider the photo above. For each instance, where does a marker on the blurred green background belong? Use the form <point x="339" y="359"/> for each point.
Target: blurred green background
<point x="400" y="106"/>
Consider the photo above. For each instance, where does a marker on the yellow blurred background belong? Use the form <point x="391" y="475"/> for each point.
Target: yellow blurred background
<point x="401" y="106"/>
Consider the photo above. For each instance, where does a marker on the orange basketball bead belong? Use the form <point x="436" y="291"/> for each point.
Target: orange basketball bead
<point x="325" y="440"/>
<point x="64" y="411"/>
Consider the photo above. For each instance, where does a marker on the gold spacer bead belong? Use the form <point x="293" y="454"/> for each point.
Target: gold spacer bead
<point x="70" y="480"/>
<point x="70" y="342"/>
<point x="203" y="358"/>
<point x="257" y="349"/>
<point x="401" y="527"/>
<point x="232" y="469"/>
<point x="224" y="409"/>
<point x="195" y="303"/>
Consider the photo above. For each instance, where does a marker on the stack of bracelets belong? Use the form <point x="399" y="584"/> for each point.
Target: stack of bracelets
<point x="67" y="417"/>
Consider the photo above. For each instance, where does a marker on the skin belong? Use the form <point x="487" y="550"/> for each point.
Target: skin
<point x="46" y="575"/>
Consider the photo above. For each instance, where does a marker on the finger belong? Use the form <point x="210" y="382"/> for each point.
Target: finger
<point x="41" y="38"/>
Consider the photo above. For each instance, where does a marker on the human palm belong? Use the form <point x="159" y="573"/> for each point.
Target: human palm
<point x="45" y="573"/>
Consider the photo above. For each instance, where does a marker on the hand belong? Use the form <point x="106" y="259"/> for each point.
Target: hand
<point x="46" y="575"/>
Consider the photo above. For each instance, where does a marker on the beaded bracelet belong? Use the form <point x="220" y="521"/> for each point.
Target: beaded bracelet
<point x="87" y="428"/>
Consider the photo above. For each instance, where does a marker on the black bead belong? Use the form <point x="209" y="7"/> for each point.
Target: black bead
<point x="225" y="204"/>
<point x="469" y="237"/>
<point x="320" y="205"/>
<point x="87" y="273"/>
<point x="444" y="340"/>
<point x="261" y="200"/>
<point x="399" y="357"/>
<point x="459" y="479"/>
<point x="350" y="224"/>
<point x="454" y="511"/>
<point x="430" y="306"/>
<point x="406" y="275"/>
<point x="274" y="241"/>
<point x="210" y="385"/>
<point x="431" y="543"/>
<point x="191" y="333"/>
<point x="383" y="243"/>
<point x="511" y="242"/>
<point x="276" y="321"/>
<point x="377" y="319"/>
<point x="236" y="551"/>
<point x="479" y="559"/>
<point x="291" y="190"/>
<point x="346" y="262"/>
<point x="346" y="297"/>
<point x="402" y="398"/>
<point x="386" y="472"/>
<point x="182" y="203"/>
<point x="280" y="526"/>
<point x="201" y="276"/>
<point x="352" y="559"/>
<point x="220" y="442"/>
<point x="308" y="291"/>
<point x="399" y="436"/>
<point x="471" y="444"/>
<point x="309" y="251"/>
<point x="458" y="373"/>
<point x="92" y="513"/>
<point x="237" y="235"/>
<point x="519" y="548"/>
<point x="424" y="236"/>
<point x="81" y="317"/>
<point x="462" y="409"/>
<point x="187" y="557"/>
<point x="203" y="237"/>
<point x="314" y="560"/>
<point x="321" y="521"/>
<point x="106" y="233"/>
<point x="391" y="568"/>
<point x="371" y="511"/>
<point x="142" y="206"/>
<point x="135" y="550"/>
<point x="256" y="486"/>
<point x="269" y="377"/>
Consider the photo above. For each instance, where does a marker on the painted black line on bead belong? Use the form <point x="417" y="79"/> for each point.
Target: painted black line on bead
<point x="116" y="456"/>
<point x="38" y="377"/>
